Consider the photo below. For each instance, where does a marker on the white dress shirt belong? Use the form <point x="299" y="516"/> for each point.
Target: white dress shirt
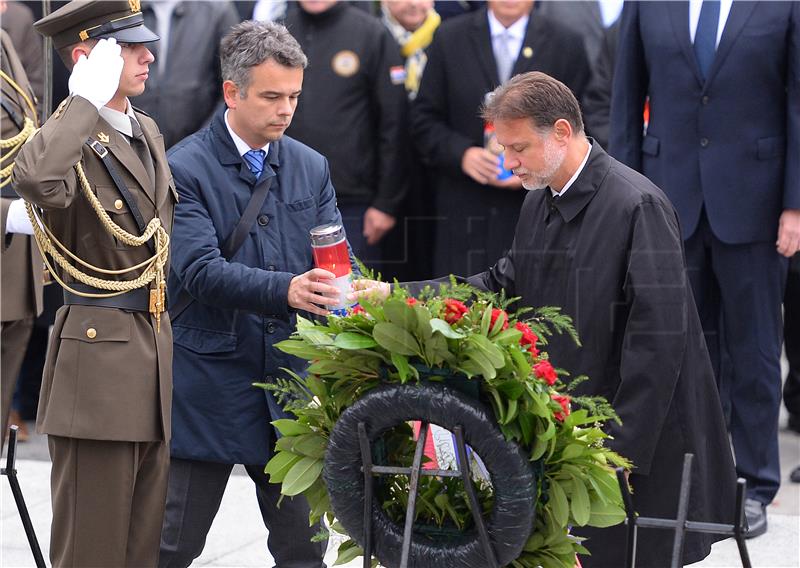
<point x="516" y="34"/>
<point x="120" y="121"/>
<point x="241" y="146"/>
<point x="575" y="175"/>
<point x="694" y="17"/>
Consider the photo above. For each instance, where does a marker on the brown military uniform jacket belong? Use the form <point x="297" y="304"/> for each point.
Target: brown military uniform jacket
<point x="108" y="374"/>
<point x="20" y="263"/>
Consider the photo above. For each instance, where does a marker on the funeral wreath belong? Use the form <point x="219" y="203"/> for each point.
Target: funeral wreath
<point x="458" y="336"/>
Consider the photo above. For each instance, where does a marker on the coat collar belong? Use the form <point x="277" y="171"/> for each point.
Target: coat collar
<point x="679" y="18"/>
<point x="740" y="13"/>
<point x="583" y="190"/>
<point x="125" y="155"/>
<point x="228" y="155"/>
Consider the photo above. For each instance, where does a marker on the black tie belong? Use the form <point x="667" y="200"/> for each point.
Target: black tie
<point x="139" y="145"/>
<point x="552" y="211"/>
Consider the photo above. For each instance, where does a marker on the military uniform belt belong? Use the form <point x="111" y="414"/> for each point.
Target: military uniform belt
<point x="134" y="301"/>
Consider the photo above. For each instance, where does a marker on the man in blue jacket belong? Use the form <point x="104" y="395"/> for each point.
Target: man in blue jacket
<point x="723" y="141"/>
<point x="244" y="304"/>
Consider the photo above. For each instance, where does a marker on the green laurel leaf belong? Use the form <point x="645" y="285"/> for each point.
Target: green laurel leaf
<point x="351" y="340"/>
<point x="395" y="339"/>
<point x="301" y="476"/>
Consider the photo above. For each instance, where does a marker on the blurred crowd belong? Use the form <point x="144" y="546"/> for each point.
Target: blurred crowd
<point x="391" y="97"/>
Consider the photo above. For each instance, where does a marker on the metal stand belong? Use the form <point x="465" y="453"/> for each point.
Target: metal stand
<point x="414" y="473"/>
<point x="681" y="525"/>
<point x="10" y="472"/>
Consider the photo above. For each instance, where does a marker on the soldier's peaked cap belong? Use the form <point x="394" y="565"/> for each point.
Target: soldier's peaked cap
<point x="95" y="19"/>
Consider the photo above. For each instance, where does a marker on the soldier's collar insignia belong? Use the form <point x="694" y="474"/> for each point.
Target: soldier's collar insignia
<point x="135" y="5"/>
<point x="103" y="137"/>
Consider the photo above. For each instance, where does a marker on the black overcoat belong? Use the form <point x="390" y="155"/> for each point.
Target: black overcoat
<point x="476" y="222"/>
<point x="609" y="252"/>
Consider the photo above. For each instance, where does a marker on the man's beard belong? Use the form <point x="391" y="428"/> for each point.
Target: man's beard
<point x="554" y="156"/>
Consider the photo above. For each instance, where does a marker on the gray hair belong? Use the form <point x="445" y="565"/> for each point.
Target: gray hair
<point x="536" y="96"/>
<point x="252" y="43"/>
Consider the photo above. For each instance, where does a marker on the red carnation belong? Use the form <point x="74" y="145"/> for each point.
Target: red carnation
<point x="545" y="371"/>
<point x="411" y="301"/>
<point x="563" y="400"/>
<point x="454" y="310"/>
<point x="358" y="310"/>
<point x="528" y="338"/>
<point x="499" y="313"/>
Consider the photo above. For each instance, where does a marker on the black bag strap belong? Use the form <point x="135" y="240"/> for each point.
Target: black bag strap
<point x="19" y="121"/>
<point x="130" y="201"/>
<point x="234" y="241"/>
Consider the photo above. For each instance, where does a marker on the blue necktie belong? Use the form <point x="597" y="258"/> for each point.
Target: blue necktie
<point x="255" y="161"/>
<point x="705" y="38"/>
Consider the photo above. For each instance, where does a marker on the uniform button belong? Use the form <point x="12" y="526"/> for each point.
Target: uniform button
<point x="704" y="142"/>
<point x="271" y="267"/>
<point x="704" y="100"/>
<point x="270" y="327"/>
<point x="263" y="220"/>
<point x="91" y="333"/>
<point x="118" y="204"/>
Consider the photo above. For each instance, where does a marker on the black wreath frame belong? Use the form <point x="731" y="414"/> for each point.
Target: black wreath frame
<point x="511" y="519"/>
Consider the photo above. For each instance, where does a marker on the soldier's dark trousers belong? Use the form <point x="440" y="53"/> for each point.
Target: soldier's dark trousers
<point x="193" y="499"/>
<point x="108" y="502"/>
<point x="14" y="341"/>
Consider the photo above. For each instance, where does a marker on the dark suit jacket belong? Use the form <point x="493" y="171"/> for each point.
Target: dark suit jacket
<point x="729" y="143"/>
<point x="610" y="255"/>
<point x="476" y="221"/>
<point x="117" y="384"/>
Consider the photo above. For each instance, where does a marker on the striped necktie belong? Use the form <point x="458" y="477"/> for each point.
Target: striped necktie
<point x="255" y="161"/>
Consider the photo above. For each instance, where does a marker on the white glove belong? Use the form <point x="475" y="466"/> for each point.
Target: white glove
<point x="17" y="220"/>
<point x="96" y="78"/>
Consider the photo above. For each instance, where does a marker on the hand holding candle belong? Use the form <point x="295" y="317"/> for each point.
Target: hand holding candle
<point x="329" y="246"/>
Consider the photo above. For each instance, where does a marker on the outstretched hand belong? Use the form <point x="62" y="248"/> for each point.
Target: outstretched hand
<point x="371" y="290"/>
<point x="309" y="292"/>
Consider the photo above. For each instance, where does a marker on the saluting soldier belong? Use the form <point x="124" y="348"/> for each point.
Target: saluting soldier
<point x="21" y="274"/>
<point x="98" y="173"/>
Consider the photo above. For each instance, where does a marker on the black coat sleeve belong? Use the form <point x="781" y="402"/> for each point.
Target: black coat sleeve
<point x="656" y="293"/>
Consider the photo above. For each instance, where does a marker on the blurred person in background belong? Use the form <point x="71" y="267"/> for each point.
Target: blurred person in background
<point x="21" y="287"/>
<point x="476" y="202"/>
<point x="351" y="112"/>
<point x="722" y="141"/>
<point x="185" y="83"/>
<point x="412" y="23"/>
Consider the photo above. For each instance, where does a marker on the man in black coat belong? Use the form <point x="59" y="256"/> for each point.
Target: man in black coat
<point x="476" y="211"/>
<point x="351" y="112"/>
<point x="603" y="243"/>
